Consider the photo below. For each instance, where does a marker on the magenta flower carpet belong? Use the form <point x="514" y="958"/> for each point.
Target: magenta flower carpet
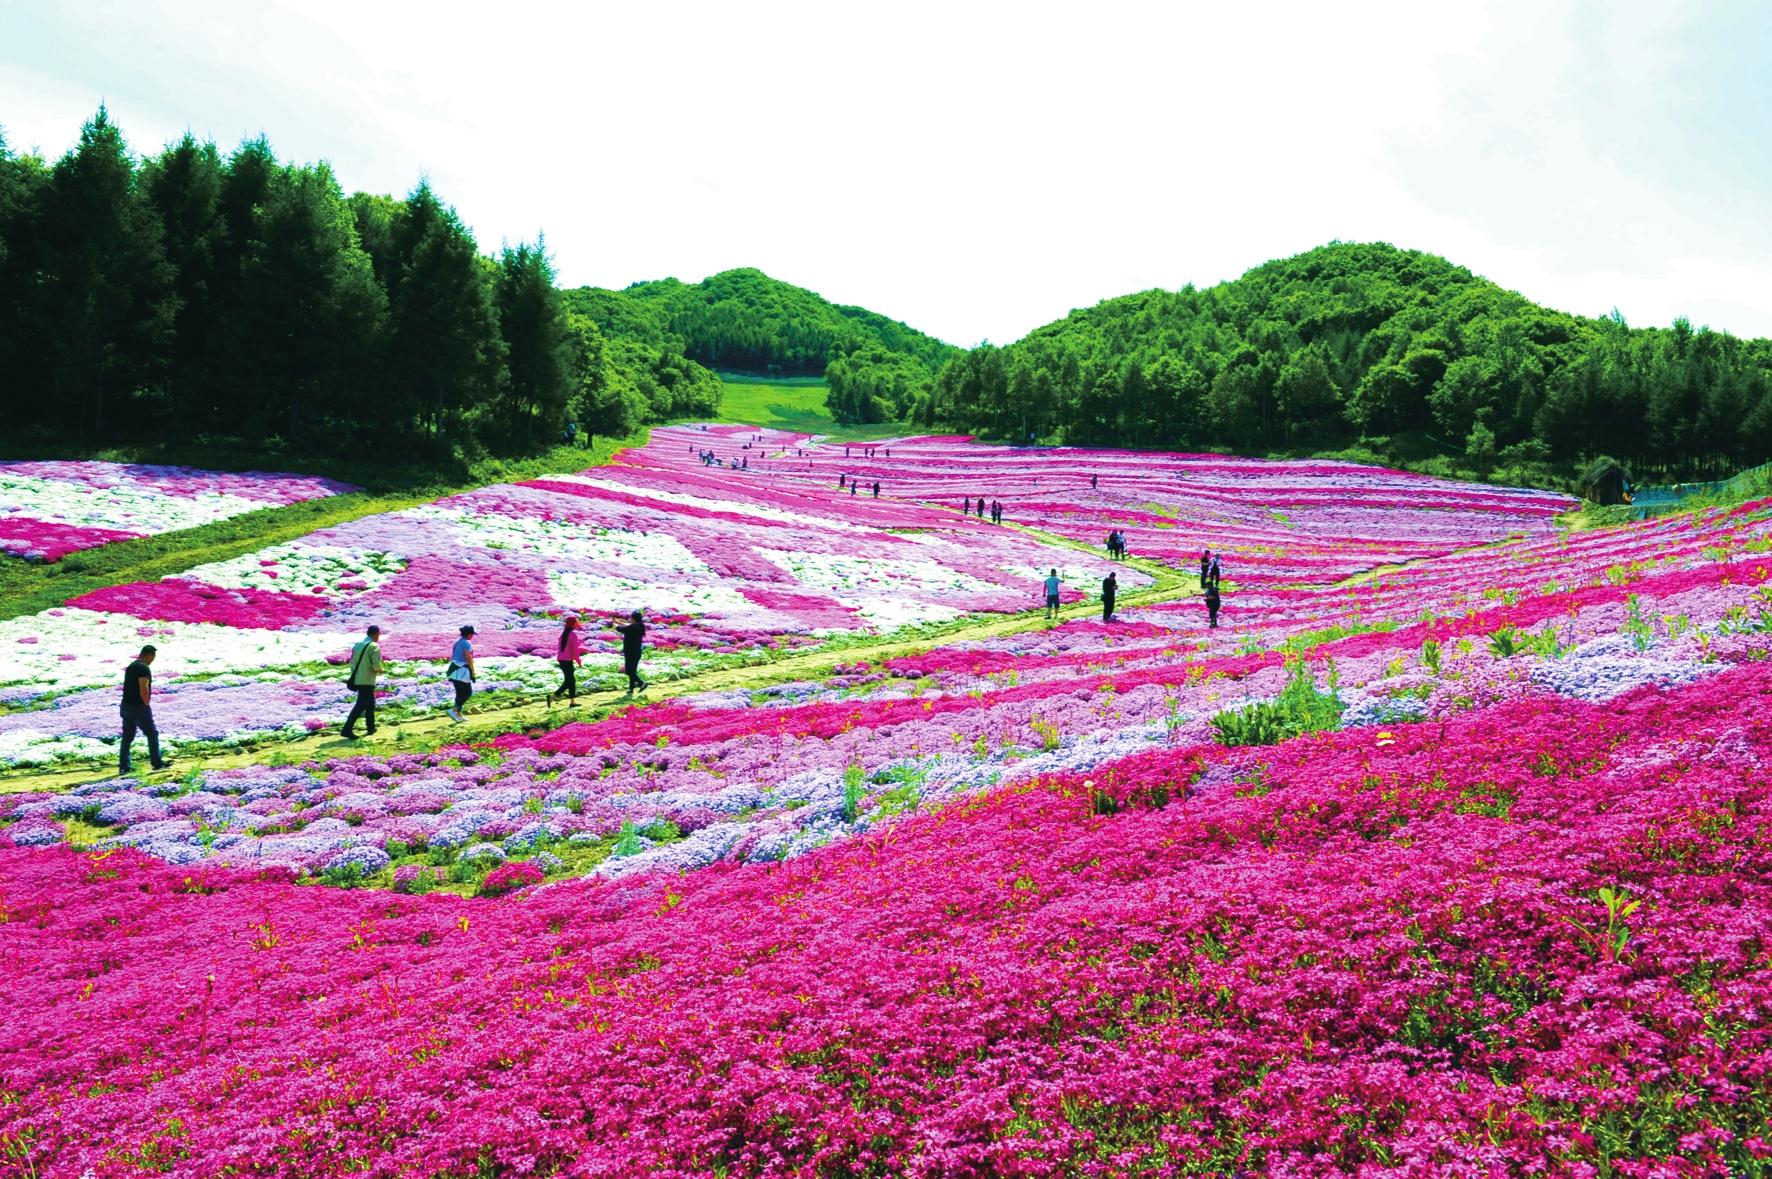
<point x="1069" y="900"/>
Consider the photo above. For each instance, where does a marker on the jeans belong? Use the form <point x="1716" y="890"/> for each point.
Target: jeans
<point x="138" y="716"/>
<point x="463" y="689"/>
<point x="364" y="708"/>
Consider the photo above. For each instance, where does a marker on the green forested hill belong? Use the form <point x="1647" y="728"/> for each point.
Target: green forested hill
<point x="744" y="321"/>
<point x="1353" y="342"/>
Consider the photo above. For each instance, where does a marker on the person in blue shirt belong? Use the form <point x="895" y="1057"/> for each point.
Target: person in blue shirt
<point x="461" y="671"/>
<point x="1052" y="595"/>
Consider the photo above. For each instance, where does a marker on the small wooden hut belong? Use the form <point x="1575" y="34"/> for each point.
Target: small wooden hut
<point x="1607" y="481"/>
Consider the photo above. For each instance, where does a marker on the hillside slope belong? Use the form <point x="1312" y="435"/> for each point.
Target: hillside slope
<point x="744" y="321"/>
<point x="1368" y="341"/>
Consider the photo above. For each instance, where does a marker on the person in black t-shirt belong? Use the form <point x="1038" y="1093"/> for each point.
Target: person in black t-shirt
<point x="138" y="712"/>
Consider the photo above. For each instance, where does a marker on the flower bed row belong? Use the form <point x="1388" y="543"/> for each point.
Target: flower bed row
<point x="51" y="509"/>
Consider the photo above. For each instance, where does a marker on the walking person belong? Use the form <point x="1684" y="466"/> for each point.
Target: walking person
<point x="138" y="712"/>
<point x="1212" y="604"/>
<point x="462" y="671"/>
<point x="1216" y="573"/>
<point x="1052" y="594"/>
<point x="571" y="653"/>
<point x="1205" y="566"/>
<point x="631" y="637"/>
<point x="365" y="666"/>
<point x="876" y="489"/>
<point x="1109" y="587"/>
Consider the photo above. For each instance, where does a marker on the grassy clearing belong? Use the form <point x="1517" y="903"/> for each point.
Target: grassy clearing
<point x="796" y="403"/>
<point x="27" y="587"/>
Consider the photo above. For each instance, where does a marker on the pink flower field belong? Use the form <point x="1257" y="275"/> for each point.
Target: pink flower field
<point x="1443" y="855"/>
<point x="51" y="509"/>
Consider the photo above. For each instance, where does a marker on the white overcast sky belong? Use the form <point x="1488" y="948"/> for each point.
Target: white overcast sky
<point x="978" y="170"/>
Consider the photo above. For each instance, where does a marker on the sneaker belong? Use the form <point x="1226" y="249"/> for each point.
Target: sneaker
<point x="165" y="765"/>
<point x="347" y="734"/>
<point x="455" y="716"/>
<point x="644" y="685"/>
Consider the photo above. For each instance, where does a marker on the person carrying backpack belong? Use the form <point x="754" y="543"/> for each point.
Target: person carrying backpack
<point x="461" y="671"/>
<point x="365" y="667"/>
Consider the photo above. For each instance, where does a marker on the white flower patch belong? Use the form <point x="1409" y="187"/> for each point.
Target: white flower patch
<point x="126" y="506"/>
<point x="829" y="571"/>
<point x="553" y="538"/>
<point x="1077" y="577"/>
<point x="71" y="648"/>
<point x="32" y="748"/>
<point x="588" y="591"/>
<point x="731" y="506"/>
<point x="301" y="567"/>
<point x="886" y="613"/>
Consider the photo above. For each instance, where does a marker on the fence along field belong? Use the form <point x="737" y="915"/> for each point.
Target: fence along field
<point x="1475" y="835"/>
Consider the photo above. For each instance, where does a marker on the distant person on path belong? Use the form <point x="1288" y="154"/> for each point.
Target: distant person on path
<point x="570" y="654"/>
<point x="138" y="712"/>
<point x="981" y="507"/>
<point x="1205" y="566"/>
<point x="365" y="666"/>
<point x="1212" y="604"/>
<point x="1052" y="594"/>
<point x="876" y="489"/>
<point x="1216" y="573"/>
<point x="1092" y="482"/>
<point x="632" y="635"/>
<point x="571" y="433"/>
<point x="1109" y="587"/>
<point x="462" y="671"/>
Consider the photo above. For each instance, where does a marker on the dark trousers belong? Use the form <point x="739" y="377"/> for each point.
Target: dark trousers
<point x="1107" y="608"/>
<point x="463" y="689"/>
<point x="364" y="709"/>
<point x="138" y="717"/>
<point x="570" y="685"/>
<point x="631" y="665"/>
<point x="1212" y="612"/>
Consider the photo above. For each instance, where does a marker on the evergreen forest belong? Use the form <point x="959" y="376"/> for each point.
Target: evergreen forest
<point x="237" y="300"/>
<point x="249" y="302"/>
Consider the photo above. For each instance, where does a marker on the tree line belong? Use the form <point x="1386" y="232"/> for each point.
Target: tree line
<point x="202" y="294"/>
<point x="1368" y="344"/>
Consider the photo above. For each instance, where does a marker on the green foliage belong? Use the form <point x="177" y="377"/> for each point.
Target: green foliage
<point x="250" y="303"/>
<point x="854" y="789"/>
<point x="628" y="842"/>
<point x="745" y="321"/>
<point x="1430" y="655"/>
<point x="1300" y="708"/>
<point x="1367" y="341"/>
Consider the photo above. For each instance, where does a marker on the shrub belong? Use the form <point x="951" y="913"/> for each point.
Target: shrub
<point x="1298" y="709"/>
